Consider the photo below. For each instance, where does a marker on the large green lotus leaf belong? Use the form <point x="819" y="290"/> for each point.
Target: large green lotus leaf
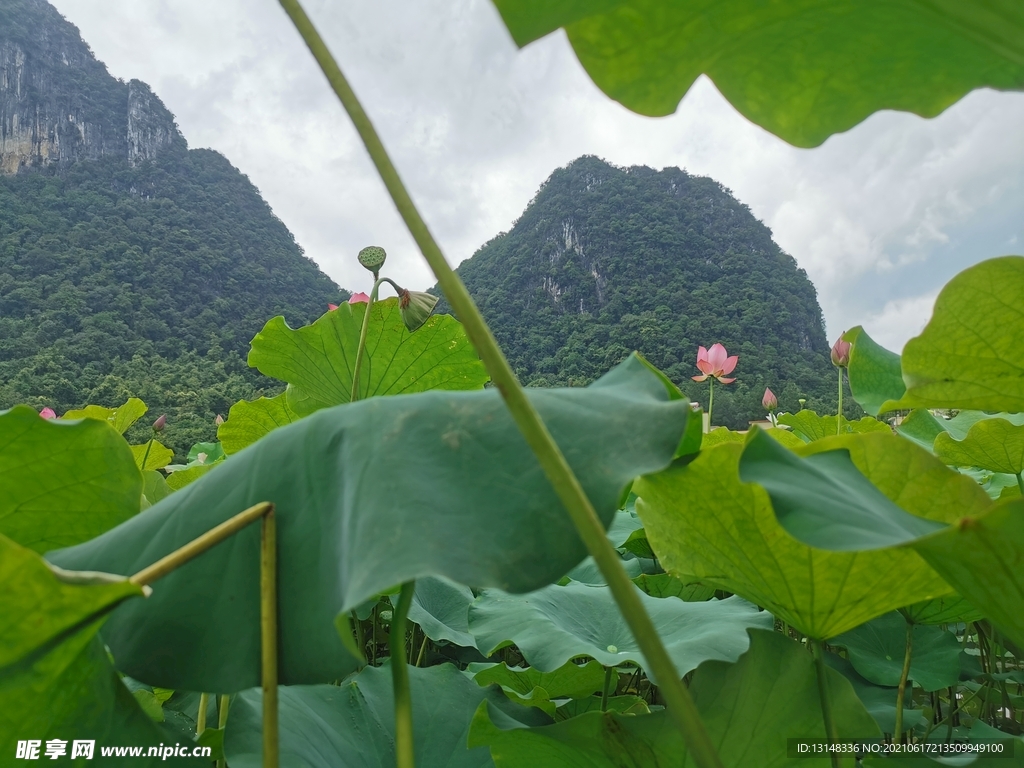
<point x="248" y="421"/>
<point x="63" y="482"/>
<point x="120" y="418"/>
<point x="802" y="70"/>
<point x="685" y="588"/>
<point x="875" y="375"/>
<point x="704" y="522"/>
<point x="441" y="608"/>
<point x="317" y="360"/>
<point x="951" y="609"/>
<point x="923" y="427"/>
<point x="825" y="490"/>
<point x="56" y="681"/>
<point x="749" y="709"/>
<point x="369" y="495"/>
<point x="574" y="681"/>
<point x="877" y="650"/>
<point x="879" y="701"/>
<point x="152" y="455"/>
<point x="556" y="624"/>
<point x="969" y="355"/>
<point x="353" y="724"/>
<point x="809" y="426"/>
<point x="981" y="555"/>
<point x="983" y="559"/>
<point x="992" y="444"/>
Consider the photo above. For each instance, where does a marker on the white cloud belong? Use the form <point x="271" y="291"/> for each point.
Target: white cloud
<point x="900" y="320"/>
<point x="877" y="216"/>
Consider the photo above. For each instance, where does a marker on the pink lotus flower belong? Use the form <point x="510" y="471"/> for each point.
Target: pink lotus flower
<point x="359" y="298"/>
<point x="160" y="423"/>
<point x="48" y="413"/>
<point x="716" y="363"/>
<point x="769" y="401"/>
<point x="331" y="307"/>
<point x="841" y="353"/>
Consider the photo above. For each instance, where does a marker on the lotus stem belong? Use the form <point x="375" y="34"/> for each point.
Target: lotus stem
<point x="839" y="412"/>
<point x="145" y="456"/>
<point x="831" y="732"/>
<point x="1020" y="482"/>
<point x="263" y="511"/>
<point x="222" y="719"/>
<point x="423" y="648"/>
<point x="197" y="546"/>
<point x="404" y="749"/>
<point x="361" y="348"/>
<point x="268" y="638"/>
<point x="549" y="456"/>
<point x="607" y="685"/>
<point x="902" y="689"/>
<point x="204" y="703"/>
<point x="711" y="399"/>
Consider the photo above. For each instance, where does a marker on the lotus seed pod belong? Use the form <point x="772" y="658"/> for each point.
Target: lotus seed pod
<point x="416" y="307"/>
<point x="372" y="257"/>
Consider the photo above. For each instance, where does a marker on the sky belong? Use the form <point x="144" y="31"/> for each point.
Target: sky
<point x="880" y="217"/>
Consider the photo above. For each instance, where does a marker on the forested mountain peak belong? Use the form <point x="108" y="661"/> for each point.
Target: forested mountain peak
<point x="605" y="260"/>
<point x="58" y="104"/>
<point x="130" y="265"/>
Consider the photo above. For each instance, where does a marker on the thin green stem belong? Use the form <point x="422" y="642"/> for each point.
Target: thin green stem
<point x="360" y="640"/>
<point x="423" y="649"/>
<point x="222" y="719"/>
<point x="608" y="671"/>
<point x="536" y="434"/>
<point x="711" y="399"/>
<point x="839" y="413"/>
<point x="268" y="638"/>
<point x="360" y="349"/>
<point x="145" y="456"/>
<point x="826" y="701"/>
<point x="1020" y="482"/>
<point x="897" y="735"/>
<point x="404" y="754"/>
<point x="204" y="704"/>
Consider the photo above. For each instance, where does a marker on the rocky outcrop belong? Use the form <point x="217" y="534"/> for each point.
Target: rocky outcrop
<point x="59" y="105"/>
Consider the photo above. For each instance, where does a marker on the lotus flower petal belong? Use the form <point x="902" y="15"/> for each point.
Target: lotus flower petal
<point x="700" y="378"/>
<point x="359" y="298"/>
<point x="717" y="356"/>
<point x="331" y="307"/>
<point x="730" y="364"/>
<point x="48" y="413"/>
<point x="725" y="381"/>
<point x="769" y="401"/>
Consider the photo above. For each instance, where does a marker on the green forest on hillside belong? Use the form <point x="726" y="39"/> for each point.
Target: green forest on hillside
<point x="607" y="260"/>
<point x="118" y="282"/>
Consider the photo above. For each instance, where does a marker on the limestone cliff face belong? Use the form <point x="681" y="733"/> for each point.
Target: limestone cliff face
<point x="58" y="104"/>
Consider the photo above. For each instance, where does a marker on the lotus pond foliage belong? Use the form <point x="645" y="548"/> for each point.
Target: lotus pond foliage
<point x="376" y="566"/>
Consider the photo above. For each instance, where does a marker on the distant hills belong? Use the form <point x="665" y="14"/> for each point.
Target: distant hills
<point x="605" y="260"/>
<point x="130" y="265"/>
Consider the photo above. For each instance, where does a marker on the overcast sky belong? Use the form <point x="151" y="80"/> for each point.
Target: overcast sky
<point x="880" y="217"/>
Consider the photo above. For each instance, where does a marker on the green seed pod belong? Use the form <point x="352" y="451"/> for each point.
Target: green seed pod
<point x="416" y="307"/>
<point x="372" y="257"/>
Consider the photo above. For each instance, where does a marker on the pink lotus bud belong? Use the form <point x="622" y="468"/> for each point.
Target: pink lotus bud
<point x="359" y="298"/>
<point x="841" y="353"/>
<point x="48" y="413"/>
<point x="331" y="307"/>
<point x="769" y="401"/>
<point x="219" y="420"/>
<point x="160" y="423"/>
